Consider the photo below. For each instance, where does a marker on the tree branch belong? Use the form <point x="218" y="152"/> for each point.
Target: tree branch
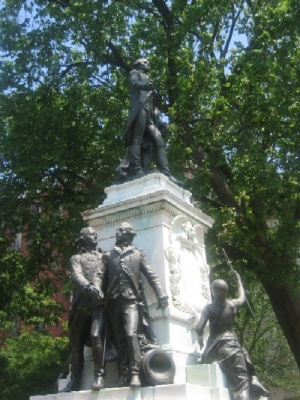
<point x="63" y="3"/>
<point x="118" y="57"/>
<point x="234" y="21"/>
<point x="217" y="181"/>
<point x="164" y="11"/>
<point x="222" y="190"/>
<point x="76" y="65"/>
<point x="212" y="202"/>
<point x="116" y="60"/>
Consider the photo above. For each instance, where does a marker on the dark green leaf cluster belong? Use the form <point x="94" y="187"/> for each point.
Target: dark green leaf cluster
<point x="265" y="342"/>
<point x="30" y="364"/>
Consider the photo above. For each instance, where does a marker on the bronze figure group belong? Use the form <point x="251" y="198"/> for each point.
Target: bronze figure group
<point x="108" y="291"/>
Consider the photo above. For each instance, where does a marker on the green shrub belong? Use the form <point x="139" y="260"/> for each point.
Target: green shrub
<point x="30" y="364"/>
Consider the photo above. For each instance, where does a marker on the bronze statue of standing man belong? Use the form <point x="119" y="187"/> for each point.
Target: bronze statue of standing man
<point x="142" y="126"/>
<point x="124" y="265"/>
<point x="86" y="321"/>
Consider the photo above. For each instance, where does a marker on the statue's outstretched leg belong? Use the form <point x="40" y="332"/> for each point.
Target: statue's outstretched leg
<point x="258" y="388"/>
<point x="244" y="395"/>
<point x="135" y="158"/>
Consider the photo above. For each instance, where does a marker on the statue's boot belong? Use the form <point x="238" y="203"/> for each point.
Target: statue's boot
<point x="244" y="395"/>
<point x="72" y="386"/>
<point x="162" y="161"/>
<point x="122" y="169"/>
<point x="98" y="383"/>
<point x="135" y="158"/>
<point x="123" y="364"/>
<point x="163" y="165"/>
<point x="135" y="381"/>
<point x="258" y="387"/>
<point x="135" y="361"/>
<point x="99" y="371"/>
<point x="121" y="172"/>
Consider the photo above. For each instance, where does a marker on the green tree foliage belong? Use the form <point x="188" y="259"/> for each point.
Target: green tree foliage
<point x="30" y="364"/>
<point x="260" y="334"/>
<point x="229" y="78"/>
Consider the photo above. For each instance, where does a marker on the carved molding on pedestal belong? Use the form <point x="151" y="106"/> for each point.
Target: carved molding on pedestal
<point x="127" y="213"/>
<point x="146" y="195"/>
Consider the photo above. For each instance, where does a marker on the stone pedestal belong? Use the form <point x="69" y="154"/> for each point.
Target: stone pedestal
<point x="171" y="231"/>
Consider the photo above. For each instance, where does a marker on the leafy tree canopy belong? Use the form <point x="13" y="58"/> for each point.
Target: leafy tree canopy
<point x="30" y="364"/>
<point x="228" y="74"/>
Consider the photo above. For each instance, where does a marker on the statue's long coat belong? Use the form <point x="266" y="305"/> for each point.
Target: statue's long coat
<point x="139" y="94"/>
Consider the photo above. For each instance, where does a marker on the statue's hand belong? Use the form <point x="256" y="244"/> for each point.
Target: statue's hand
<point x="163" y="302"/>
<point x="236" y="276"/>
<point x="93" y="292"/>
<point x="150" y="85"/>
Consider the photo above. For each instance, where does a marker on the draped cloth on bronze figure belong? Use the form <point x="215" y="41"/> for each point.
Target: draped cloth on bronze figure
<point x="232" y="358"/>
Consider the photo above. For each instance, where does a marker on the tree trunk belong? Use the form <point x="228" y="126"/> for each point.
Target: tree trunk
<point x="286" y="305"/>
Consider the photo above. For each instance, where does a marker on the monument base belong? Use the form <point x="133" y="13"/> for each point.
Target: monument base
<point x="204" y="382"/>
<point x="179" y="392"/>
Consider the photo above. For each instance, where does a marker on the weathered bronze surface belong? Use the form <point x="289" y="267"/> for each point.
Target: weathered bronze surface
<point x="223" y="345"/>
<point x="86" y="321"/>
<point x="143" y="132"/>
<point x="126" y="303"/>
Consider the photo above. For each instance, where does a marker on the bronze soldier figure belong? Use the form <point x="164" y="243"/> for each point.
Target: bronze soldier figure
<point x="142" y="125"/>
<point x="223" y="346"/>
<point x="86" y="321"/>
<point x="124" y="265"/>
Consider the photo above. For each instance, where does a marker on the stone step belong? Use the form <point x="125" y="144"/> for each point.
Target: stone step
<point x="185" y="391"/>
